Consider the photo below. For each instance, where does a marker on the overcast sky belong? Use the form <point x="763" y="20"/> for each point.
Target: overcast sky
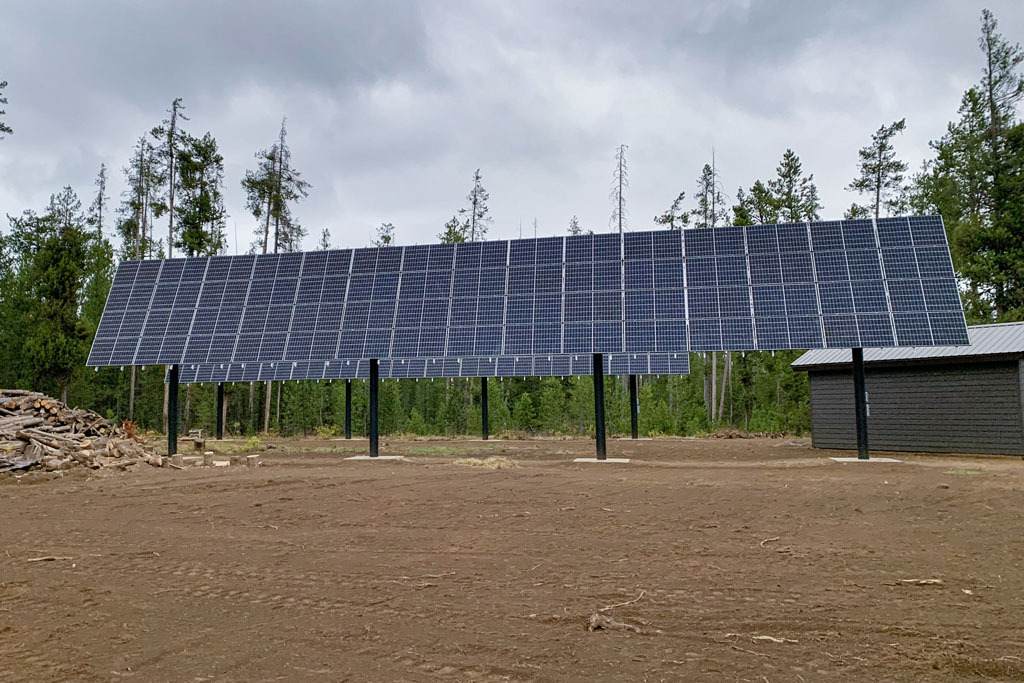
<point x="392" y="105"/>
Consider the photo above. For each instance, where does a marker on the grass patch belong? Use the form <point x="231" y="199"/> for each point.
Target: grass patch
<point x="491" y="463"/>
<point x="453" y="450"/>
<point x="332" y="449"/>
<point x="963" y="471"/>
<point x="436" y="450"/>
<point x="250" y="445"/>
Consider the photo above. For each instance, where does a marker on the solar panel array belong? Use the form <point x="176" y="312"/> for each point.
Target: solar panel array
<point x="536" y="306"/>
<point x="841" y="284"/>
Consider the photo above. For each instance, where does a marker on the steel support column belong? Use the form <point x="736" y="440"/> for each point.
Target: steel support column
<point x="220" y="411"/>
<point x="172" y="411"/>
<point x="634" y="407"/>
<point x="348" y="409"/>
<point x="373" y="407"/>
<point x="602" y="452"/>
<point x="483" y="408"/>
<point x="860" y="404"/>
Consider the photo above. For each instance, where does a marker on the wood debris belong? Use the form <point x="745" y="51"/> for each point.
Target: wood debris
<point x="922" y="582"/>
<point x="39" y="432"/>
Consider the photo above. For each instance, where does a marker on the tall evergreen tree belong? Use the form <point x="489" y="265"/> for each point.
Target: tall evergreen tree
<point x="4" y="128"/>
<point x="741" y="210"/>
<point x="620" y="181"/>
<point x="135" y="214"/>
<point x="676" y="217"/>
<point x="710" y="210"/>
<point x="795" y="194"/>
<point x="201" y="213"/>
<point x="100" y="202"/>
<point x="171" y="139"/>
<point x="763" y="207"/>
<point x="881" y="173"/>
<point x="289" y="188"/>
<point x="53" y="255"/>
<point x="476" y="217"/>
<point x="270" y="191"/>
<point x="454" y="231"/>
<point x="964" y="181"/>
<point x="1001" y="86"/>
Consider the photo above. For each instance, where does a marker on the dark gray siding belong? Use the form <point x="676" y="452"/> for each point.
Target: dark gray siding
<point x="949" y="408"/>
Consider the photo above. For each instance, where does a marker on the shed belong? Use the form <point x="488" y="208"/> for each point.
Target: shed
<point x="932" y="399"/>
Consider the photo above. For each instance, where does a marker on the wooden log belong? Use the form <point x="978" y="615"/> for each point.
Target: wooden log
<point x="48" y="449"/>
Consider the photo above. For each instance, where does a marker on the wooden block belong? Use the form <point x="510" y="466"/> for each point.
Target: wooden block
<point x="178" y="459"/>
<point x="208" y="459"/>
<point x="236" y="459"/>
<point x="252" y="461"/>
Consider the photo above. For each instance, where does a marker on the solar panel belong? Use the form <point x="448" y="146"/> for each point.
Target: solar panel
<point x="536" y="306"/>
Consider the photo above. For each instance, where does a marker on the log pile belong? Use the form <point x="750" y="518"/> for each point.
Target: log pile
<point x="39" y="432"/>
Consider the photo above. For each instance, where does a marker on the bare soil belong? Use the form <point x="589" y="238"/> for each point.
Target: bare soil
<point x="705" y="559"/>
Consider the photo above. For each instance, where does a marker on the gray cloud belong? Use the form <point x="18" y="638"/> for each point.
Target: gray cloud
<point x="392" y="105"/>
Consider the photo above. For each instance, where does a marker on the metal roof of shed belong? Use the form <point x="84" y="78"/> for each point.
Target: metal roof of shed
<point x="999" y="339"/>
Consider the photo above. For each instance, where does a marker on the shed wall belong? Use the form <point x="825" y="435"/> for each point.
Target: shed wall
<point x="949" y="408"/>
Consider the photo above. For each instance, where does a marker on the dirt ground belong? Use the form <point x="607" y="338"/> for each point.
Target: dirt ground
<point x="756" y="560"/>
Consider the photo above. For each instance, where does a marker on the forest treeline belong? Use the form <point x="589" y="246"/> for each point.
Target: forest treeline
<point x="57" y="261"/>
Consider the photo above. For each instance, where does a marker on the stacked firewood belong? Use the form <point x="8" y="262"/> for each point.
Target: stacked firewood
<point x="39" y="432"/>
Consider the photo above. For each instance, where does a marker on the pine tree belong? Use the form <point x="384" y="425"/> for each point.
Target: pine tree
<point x="53" y="253"/>
<point x="964" y="182"/>
<point x="201" y="213"/>
<point x="763" y="207"/>
<point x="270" y="191"/>
<point x="620" y="181"/>
<point x="4" y="128"/>
<point x="98" y="204"/>
<point x="135" y="214"/>
<point x="675" y="218"/>
<point x="135" y="220"/>
<point x="289" y="188"/>
<point x="710" y="210"/>
<point x="881" y="173"/>
<point x="259" y="189"/>
<point x="857" y="211"/>
<point x="171" y="138"/>
<point x="385" y="235"/>
<point x="477" y="220"/>
<point x="574" y="226"/>
<point x="741" y="210"/>
<point x="325" y="240"/>
<point x="796" y="195"/>
<point x="1001" y="87"/>
<point x="454" y="232"/>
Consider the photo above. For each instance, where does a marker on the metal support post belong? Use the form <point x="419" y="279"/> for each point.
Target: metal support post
<point x="602" y="452"/>
<point x="348" y="409"/>
<point x="483" y="407"/>
<point x="373" y="407"/>
<point x="172" y="411"/>
<point x="860" y="404"/>
<point x="634" y="406"/>
<point x="220" y="411"/>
